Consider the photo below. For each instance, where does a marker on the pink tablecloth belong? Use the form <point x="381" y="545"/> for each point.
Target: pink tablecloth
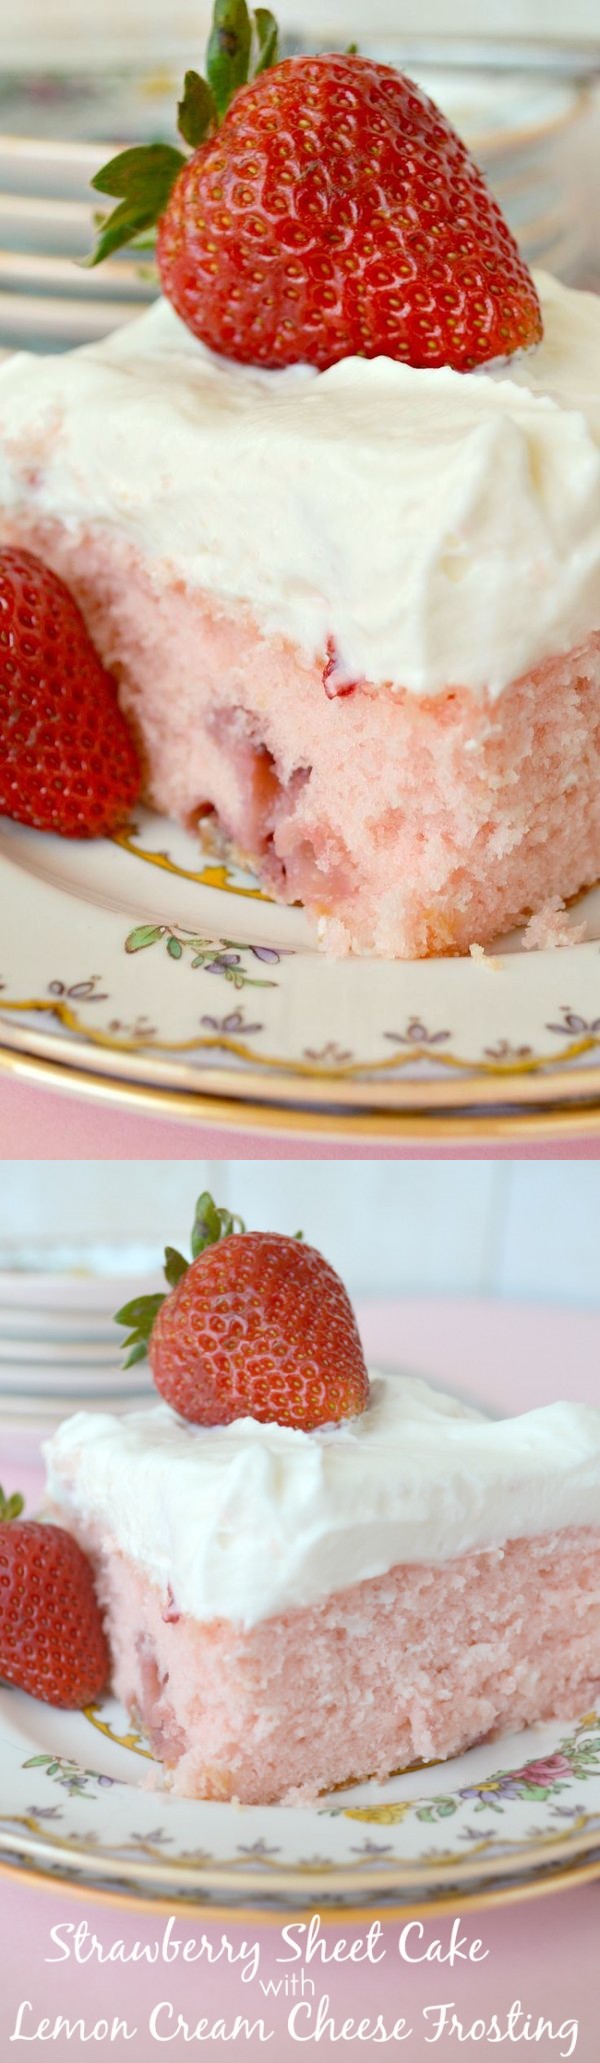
<point x="40" y="1124"/>
<point x="541" y="1956"/>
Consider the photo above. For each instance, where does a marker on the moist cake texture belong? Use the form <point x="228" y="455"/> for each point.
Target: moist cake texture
<point x="288" y="1611"/>
<point x="354" y="615"/>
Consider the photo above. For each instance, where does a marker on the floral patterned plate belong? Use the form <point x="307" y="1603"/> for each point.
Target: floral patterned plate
<point x="145" y="962"/>
<point x="75" y="1802"/>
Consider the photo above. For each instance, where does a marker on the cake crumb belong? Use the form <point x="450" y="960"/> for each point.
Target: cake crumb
<point x="304" y="1795"/>
<point x="552" y="926"/>
<point x="484" y="959"/>
<point x="333" y="937"/>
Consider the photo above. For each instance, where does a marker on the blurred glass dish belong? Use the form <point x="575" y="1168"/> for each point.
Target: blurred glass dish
<point x="80" y="1265"/>
<point x="60" y="1348"/>
<point x="533" y="128"/>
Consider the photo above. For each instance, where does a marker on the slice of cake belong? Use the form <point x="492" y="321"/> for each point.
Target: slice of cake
<point x="308" y="1577"/>
<point x="354" y="614"/>
<point x="337" y="531"/>
<point x="287" y="1611"/>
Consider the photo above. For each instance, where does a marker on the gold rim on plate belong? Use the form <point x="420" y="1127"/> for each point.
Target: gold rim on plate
<point x="283" y="1083"/>
<point x="233" y="1111"/>
<point x="573" y="1876"/>
<point x="274" y="1880"/>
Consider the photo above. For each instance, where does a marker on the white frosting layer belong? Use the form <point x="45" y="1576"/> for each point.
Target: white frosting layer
<point x="245" y="1521"/>
<point x="443" y="528"/>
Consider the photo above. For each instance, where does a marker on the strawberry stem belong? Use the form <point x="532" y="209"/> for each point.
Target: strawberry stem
<point x="10" y="1507"/>
<point x="210" y="1225"/>
<point x="228" y="51"/>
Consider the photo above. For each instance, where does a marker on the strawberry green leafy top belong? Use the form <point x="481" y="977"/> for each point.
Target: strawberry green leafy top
<point x="210" y="1225"/>
<point x="10" y="1507"/>
<point x="326" y="210"/>
<point x="241" y="45"/>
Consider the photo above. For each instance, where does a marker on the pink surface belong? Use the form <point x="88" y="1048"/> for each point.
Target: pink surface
<point x="543" y="1953"/>
<point x="39" y="1124"/>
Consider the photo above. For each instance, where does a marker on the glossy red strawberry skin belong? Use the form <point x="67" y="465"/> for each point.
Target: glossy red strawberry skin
<point x="260" y="1326"/>
<point x="68" y="762"/>
<point x="52" y="1640"/>
<point x="337" y="212"/>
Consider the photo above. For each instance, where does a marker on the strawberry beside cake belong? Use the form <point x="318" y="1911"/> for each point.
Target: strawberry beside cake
<point x="332" y="509"/>
<point x="308" y="1576"/>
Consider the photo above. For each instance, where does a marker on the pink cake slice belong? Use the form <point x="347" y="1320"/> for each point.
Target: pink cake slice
<point x="405" y="826"/>
<point x="414" y="1665"/>
<point x="354" y="616"/>
<point x="288" y="1612"/>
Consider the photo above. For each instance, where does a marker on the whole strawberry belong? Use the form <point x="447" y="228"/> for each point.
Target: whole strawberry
<point x="52" y="1640"/>
<point x="328" y="209"/>
<point x="257" y="1326"/>
<point x="68" y="762"/>
<point x="337" y="213"/>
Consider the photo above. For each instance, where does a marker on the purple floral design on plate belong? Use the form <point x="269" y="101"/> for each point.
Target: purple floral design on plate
<point x="543" y="1778"/>
<point x="225" y="957"/>
<point x="329" y="1055"/>
<point x="79" y="991"/>
<point x="579" y="1027"/>
<point x="232" y="1026"/>
<point x="416" y="1034"/>
<point x="70" y="1776"/>
<point x="504" y="1052"/>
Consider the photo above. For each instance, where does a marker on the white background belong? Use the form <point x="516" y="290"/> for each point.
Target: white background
<point x="150" y="28"/>
<point x="528" y="1230"/>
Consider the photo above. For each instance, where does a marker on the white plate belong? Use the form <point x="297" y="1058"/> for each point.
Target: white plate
<point x="52" y="1294"/>
<point x="71" y="1803"/>
<point x="73" y="1383"/>
<point x="36" y="1354"/>
<point x="142" y="961"/>
<point x="34" y="1341"/>
<point x="40" y="1326"/>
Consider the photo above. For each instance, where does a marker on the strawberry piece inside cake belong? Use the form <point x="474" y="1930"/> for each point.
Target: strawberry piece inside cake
<point x="354" y="614"/>
<point x="288" y="1611"/>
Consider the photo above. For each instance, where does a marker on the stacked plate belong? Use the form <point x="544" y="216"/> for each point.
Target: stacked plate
<point x="67" y="122"/>
<point x="60" y="1349"/>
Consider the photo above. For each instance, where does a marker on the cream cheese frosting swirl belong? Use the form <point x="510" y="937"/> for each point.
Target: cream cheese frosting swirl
<point x="442" y="528"/>
<point x="246" y="1521"/>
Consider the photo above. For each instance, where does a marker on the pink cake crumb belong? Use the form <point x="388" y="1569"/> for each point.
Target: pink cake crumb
<point x="414" y="1665"/>
<point x="552" y="926"/>
<point x="406" y="826"/>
